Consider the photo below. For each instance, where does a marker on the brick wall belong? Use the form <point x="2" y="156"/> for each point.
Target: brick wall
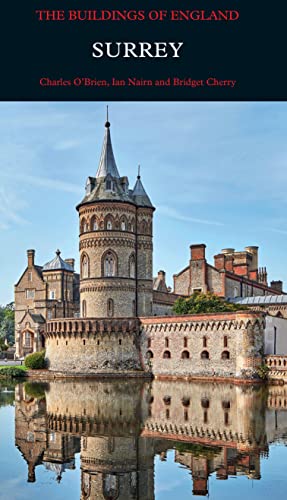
<point x="224" y="345"/>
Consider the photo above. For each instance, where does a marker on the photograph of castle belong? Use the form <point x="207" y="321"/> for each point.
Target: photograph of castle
<point x="149" y="348"/>
<point x="114" y="315"/>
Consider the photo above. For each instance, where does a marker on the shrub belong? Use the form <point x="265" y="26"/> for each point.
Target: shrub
<point x="200" y="302"/>
<point x="35" y="361"/>
<point x="262" y="372"/>
<point x="12" y="371"/>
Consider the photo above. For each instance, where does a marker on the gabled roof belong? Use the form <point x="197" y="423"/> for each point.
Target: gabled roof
<point x="38" y="270"/>
<point x="36" y="318"/>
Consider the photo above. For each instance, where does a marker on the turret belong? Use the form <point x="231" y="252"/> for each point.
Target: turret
<point x="115" y="242"/>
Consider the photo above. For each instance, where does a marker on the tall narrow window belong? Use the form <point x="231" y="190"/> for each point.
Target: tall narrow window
<point x="27" y="339"/>
<point x="84" y="309"/>
<point x="204" y="342"/>
<point x="225" y="341"/>
<point x="85" y="266"/>
<point x="110" y="308"/>
<point x="185" y="342"/>
<point x="109" y="225"/>
<point x="166" y="341"/>
<point x="109" y="264"/>
<point x="52" y="295"/>
<point x="132" y="265"/>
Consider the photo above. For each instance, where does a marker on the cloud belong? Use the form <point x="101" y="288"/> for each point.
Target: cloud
<point x="274" y="230"/>
<point x="10" y="206"/>
<point x="174" y="214"/>
<point x="66" y="145"/>
<point x="45" y="182"/>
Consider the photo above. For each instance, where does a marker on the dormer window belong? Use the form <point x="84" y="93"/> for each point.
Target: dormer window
<point x="109" y="185"/>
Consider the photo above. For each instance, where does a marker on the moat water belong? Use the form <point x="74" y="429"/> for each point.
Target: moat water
<point x="142" y="440"/>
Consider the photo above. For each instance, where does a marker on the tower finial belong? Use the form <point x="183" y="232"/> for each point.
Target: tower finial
<point x="139" y="171"/>
<point x="107" y="124"/>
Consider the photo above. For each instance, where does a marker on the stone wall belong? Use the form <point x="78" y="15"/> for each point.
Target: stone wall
<point x="223" y="345"/>
<point x="93" y="346"/>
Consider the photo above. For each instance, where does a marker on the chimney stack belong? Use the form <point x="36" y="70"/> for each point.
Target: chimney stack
<point x="219" y="261"/>
<point x="253" y="250"/>
<point x="71" y="262"/>
<point x="31" y="257"/>
<point x="197" y="251"/>
<point x="277" y="285"/>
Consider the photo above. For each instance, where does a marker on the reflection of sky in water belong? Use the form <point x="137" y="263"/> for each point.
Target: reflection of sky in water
<point x="173" y="481"/>
<point x="13" y="471"/>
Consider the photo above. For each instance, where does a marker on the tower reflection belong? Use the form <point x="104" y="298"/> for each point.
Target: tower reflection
<point x="120" y="426"/>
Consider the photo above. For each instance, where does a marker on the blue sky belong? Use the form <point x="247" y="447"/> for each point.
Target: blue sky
<point x="215" y="171"/>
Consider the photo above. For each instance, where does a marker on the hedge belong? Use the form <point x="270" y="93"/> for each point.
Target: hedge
<point x="35" y="361"/>
<point x="12" y="371"/>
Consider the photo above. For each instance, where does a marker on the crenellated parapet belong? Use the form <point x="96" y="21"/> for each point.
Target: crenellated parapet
<point x="93" y="345"/>
<point x="91" y="326"/>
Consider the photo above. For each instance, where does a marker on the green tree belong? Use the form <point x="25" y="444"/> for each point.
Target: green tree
<point x="7" y="323"/>
<point x="200" y="303"/>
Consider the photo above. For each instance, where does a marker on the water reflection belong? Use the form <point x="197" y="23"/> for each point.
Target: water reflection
<point x="120" y="426"/>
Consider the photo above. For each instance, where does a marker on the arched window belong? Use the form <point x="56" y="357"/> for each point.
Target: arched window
<point x="132" y="266"/>
<point x="109" y="264"/>
<point x="123" y="224"/>
<point x="85" y="266"/>
<point x="94" y="224"/>
<point x="110" y="486"/>
<point x="225" y="355"/>
<point x="84" y="225"/>
<point x="84" y="308"/>
<point x="110" y="308"/>
<point x="133" y="225"/>
<point x="166" y="355"/>
<point x="143" y="227"/>
<point x="204" y="355"/>
<point x="109" y="223"/>
<point x="149" y="354"/>
<point x="185" y="355"/>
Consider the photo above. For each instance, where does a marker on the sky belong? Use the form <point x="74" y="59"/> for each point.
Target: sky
<point x="216" y="173"/>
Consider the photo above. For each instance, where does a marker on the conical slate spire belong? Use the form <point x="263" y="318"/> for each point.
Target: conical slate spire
<point x="107" y="163"/>
<point x="139" y="194"/>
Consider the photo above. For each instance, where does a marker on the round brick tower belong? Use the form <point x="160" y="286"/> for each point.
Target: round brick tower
<point x="115" y="243"/>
